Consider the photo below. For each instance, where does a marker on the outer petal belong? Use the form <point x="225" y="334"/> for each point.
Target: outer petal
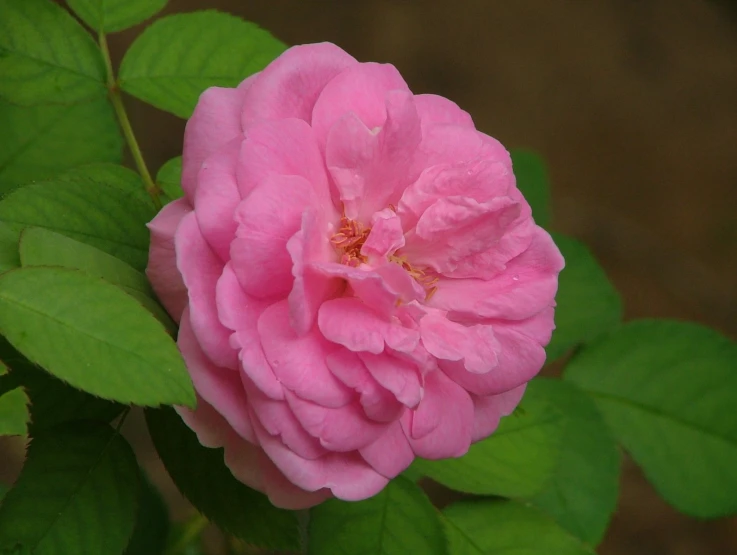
<point x="343" y="429"/>
<point x="219" y="387"/>
<point x="371" y="167"/>
<point x="391" y="453"/>
<point x="437" y="109"/>
<point x="520" y="359"/>
<point x="442" y="426"/>
<point x="360" y="89"/>
<point x="347" y="475"/>
<point x="217" y="197"/>
<point x="215" y="122"/>
<point x="267" y="218"/>
<point x="162" y="269"/>
<point x="283" y="493"/>
<point x="211" y="428"/>
<point x="240" y="312"/>
<point x="299" y="361"/>
<point x="200" y="268"/>
<point x="282" y="147"/>
<point x="349" y="322"/>
<point x="447" y="340"/>
<point x="528" y="285"/>
<point x="289" y="86"/>
<point x="243" y="460"/>
<point x="488" y="411"/>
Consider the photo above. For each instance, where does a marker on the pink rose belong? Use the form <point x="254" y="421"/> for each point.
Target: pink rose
<point x="357" y="279"/>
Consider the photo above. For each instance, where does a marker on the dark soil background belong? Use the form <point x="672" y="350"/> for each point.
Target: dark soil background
<point x="634" y="105"/>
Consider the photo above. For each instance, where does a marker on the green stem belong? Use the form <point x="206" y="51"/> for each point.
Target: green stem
<point x="117" y="101"/>
<point x="303" y="520"/>
<point x="192" y="531"/>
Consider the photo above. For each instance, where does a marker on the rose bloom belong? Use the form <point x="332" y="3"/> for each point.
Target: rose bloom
<point x="357" y="279"/>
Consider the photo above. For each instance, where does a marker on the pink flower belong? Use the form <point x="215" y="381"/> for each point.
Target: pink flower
<point x="357" y="279"/>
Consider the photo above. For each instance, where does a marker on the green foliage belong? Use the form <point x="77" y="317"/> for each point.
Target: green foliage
<point x="107" y="216"/>
<point x="169" y="178"/>
<point x="9" y="258"/>
<point x="668" y="391"/>
<point x="13" y="412"/>
<point x="587" y="303"/>
<point x="179" y="56"/>
<point x="42" y="247"/>
<point x="115" y="15"/>
<point x="516" y="461"/>
<point x="397" y="521"/>
<point x="77" y="493"/>
<point x="92" y="335"/>
<point x="40" y="141"/>
<point x="486" y="527"/>
<point x="202" y="477"/>
<point x="532" y="180"/>
<point x="46" y="56"/>
<point x="582" y="492"/>
<point x="152" y="523"/>
<point x="52" y="401"/>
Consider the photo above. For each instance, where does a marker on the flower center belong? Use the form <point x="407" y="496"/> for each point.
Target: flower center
<point x="349" y="240"/>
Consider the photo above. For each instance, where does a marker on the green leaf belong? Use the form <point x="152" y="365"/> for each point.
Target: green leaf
<point x="582" y="492"/>
<point x="97" y="213"/>
<point x="52" y="401"/>
<point x="587" y="303"/>
<point x="92" y="335"/>
<point x="9" y="258"/>
<point x="46" y="56"/>
<point x="169" y="178"/>
<point x="14" y="413"/>
<point x="115" y="15"/>
<point x="38" y="142"/>
<point x="152" y="522"/>
<point x="202" y="477"/>
<point x="113" y="175"/>
<point x="486" y="527"/>
<point x="77" y="493"/>
<point x="668" y="391"/>
<point x="532" y="180"/>
<point x="397" y="521"/>
<point x="516" y="461"/>
<point x="179" y="56"/>
<point x="41" y="247"/>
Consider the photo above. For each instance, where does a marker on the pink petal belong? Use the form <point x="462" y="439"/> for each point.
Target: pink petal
<point x="162" y="269"/>
<point x="215" y="122"/>
<point x="475" y="345"/>
<point x="299" y="361"/>
<point x="283" y="147"/>
<point x="347" y="475"/>
<point x="200" y="268"/>
<point x="371" y="167"/>
<point x="310" y="288"/>
<point x="527" y="285"/>
<point x="266" y="219"/>
<point x="278" y="422"/>
<point x="386" y="235"/>
<point x="240" y="312"/>
<point x="349" y="322"/>
<point x="343" y="429"/>
<point x="520" y="359"/>
<point x="283" y="493"/>
<point x="488" y="411"/>
<point x="360" y="89"/>
<point x="211" y="428"/>
<point x="289" y="86"/>
<point x="217" y="197"/>
<point x="437" y="109"/>
<point x="391" y="453"/>
<point x="244" y="461"/>
<point x="442" y="425"/>
<point x="398" y="376"/>
<point x="378" y="403"/>
<point x="219" y="387"/>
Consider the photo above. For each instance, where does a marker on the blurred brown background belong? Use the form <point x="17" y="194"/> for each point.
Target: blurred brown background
<point x="634" y="105"/>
